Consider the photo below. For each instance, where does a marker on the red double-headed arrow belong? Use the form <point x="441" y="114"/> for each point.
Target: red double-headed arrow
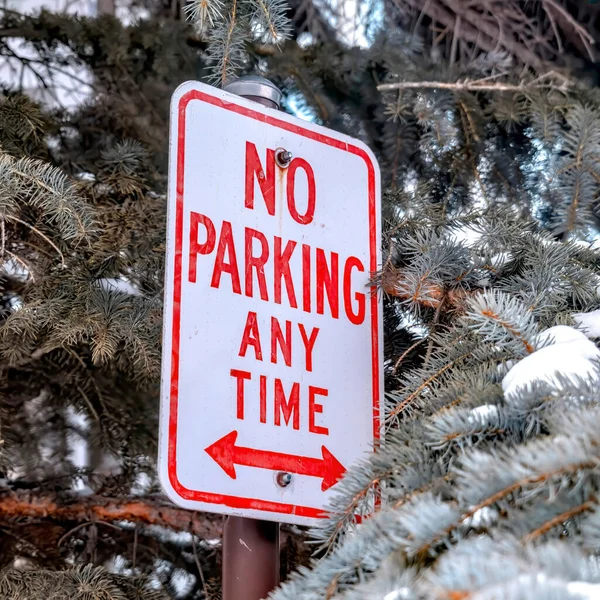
<point x="226" y="454"/>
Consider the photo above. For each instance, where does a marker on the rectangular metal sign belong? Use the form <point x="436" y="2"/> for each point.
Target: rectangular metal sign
<point x="272" y="368"/>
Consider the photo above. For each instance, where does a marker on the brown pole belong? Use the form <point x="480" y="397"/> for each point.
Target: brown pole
<point x="250" y="558"/>
<point x="250" y="546"/>
<point x="106" y="7"/>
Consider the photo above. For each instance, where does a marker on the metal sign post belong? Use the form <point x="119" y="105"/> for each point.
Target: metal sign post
<point x="250" y="546"/>
<point x="250" y="558"/>
<point x="106" y="7"/>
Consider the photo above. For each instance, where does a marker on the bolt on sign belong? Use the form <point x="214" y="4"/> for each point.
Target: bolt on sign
<point x="272" y="382"/>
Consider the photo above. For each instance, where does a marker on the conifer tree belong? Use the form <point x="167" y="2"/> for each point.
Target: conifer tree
<point x="82" y="245"/>
<point x="487" y="484"/>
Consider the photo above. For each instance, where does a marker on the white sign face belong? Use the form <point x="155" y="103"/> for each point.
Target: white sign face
<point x="272" y="366"/>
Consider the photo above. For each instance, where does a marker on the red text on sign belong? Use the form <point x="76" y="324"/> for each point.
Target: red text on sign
<point x="331" y="282"/>
<point x="286" y="400"/>
<point x="266" y="182"/>
<point x="281" y="341"/>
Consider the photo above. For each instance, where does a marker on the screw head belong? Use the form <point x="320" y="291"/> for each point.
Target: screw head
<point x="283" y="157"/>
<point x="283" y="479"/>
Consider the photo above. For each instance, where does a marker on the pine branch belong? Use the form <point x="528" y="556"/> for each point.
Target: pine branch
<point x="496" y="315"/>
<point x="587" y="506"/>
<point x="541" y="478"/>
<point x="204" y="13"/>
<point x="401" y="406"/>
<point x="82" y="582"/>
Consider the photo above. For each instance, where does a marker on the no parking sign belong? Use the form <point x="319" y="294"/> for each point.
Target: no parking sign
<point x="272" y="382"/>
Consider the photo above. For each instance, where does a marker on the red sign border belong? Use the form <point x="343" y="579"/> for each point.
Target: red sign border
<point x="236" y="501"/>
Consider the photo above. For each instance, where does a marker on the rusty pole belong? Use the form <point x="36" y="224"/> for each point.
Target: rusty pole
<point x="106" y="7"/>
<point x="250" y="558"/>
<point x="251" y="546"/>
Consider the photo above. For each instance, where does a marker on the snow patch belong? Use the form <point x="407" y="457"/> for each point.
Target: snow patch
<point x="588" y="245"/>
<point x="483" y="517"/>
<point x="119" y="285"/>
<point x="81" y="488"/>
<point x="560" y="334"/>
<point x="77" y="419"/>
<point x="589" y="322"/>
<point x="85" y="176"/>
<point x="213" y="543"/>
<point x="485" y="411"/>
<point x="500" y="259"/>
<point x="398" y="594"/>
<point x="15" y="303"/>
<point x="14" y="269"/>
<point x="469" y="236"/>
<point x="582" y="589"/>
<point x="561" y="350"/>
<point x="142" y="484"/>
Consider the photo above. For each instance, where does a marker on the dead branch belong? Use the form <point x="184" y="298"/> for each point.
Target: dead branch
<point x="430" y="294"/>
<point x="585" y="37"/>
<point x="441" y="15"/>
<point x="493" y="32"/>
<point x="44" y="505"/>
<point x="492" y="25"/>
<point x="471" y="86"/>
